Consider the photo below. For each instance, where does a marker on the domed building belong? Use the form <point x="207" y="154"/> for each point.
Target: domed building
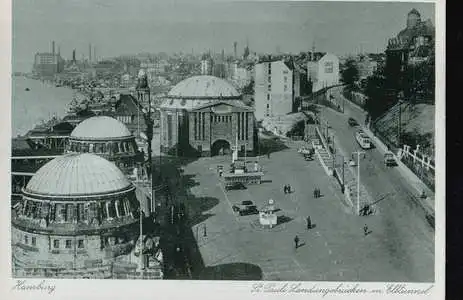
<point x="78" y="212"/>
<point x="206" y="115"/>
<point x="108" y="138"/>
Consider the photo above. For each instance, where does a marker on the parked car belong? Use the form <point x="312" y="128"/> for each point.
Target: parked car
<point x="389" y="159"/>
<point x="352" y="122"/>
<point x="245" y="208"/>
<point x="249" y="210"/>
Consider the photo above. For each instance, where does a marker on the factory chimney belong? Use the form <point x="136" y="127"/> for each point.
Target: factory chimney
<point x="53" y="48"/>
<point x="89" y="52"/>
<point x="235" y="44"/>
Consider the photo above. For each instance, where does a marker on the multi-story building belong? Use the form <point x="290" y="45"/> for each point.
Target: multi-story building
<point x="48" y="64"/>
<point x="413" y="45"/>
<point x="323" y="71"/>
<point x="277" y="84"/>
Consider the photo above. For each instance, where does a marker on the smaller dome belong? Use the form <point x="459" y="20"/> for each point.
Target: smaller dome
<point x="77" y="175"/>
<point x="100" y="127"/>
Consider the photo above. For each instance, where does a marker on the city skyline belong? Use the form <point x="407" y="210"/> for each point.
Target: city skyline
<point x="117" y="28"/>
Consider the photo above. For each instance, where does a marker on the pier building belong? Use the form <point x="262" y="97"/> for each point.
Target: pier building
<point x="108" y="138"/>
<point x="78" y="218"/>
<point x="205" y="115"/>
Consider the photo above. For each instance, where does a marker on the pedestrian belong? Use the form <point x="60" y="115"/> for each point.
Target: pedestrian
<point x="315" y="193"/>
<point x="365" y="230"/>
<point x="296" y="242"/>
<point x="285" y="189"/>
<point x="309" y="223"/>
<point x="289" y="189"/>
<point x="268" y="155"/>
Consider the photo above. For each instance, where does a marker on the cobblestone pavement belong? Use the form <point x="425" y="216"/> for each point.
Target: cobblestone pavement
<point x="335" y="249"/>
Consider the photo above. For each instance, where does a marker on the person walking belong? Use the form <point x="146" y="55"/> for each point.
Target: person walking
<point x="365" y="230"/>
<point x="268" y="155"/>
<point x="288" y="189"/>
<point x="296" y="242"/>
<point x="315" y="193"/>
<point x="309" y="223"/>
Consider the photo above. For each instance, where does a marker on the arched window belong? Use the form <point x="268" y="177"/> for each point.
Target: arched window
<point x="115" y="148"/>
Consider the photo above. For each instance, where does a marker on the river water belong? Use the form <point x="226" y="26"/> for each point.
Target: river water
<point x="40" y="103"/>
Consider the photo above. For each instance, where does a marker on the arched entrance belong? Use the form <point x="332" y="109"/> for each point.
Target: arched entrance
<point x="220" y="147"/>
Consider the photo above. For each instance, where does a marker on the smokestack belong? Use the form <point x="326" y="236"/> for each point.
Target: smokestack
<point x="90" y="52"/>
<point x="94" y="54"/>
<point x="235" y="45"/>
<point x="74" y="55"/>
<point x="53" y="47"/>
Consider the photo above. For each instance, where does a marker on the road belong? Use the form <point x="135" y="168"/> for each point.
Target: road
<point x="399" y="247"/>
<point x="406" y="233"/>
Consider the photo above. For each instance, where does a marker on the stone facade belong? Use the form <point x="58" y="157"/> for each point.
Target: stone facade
<point x="204" y="128"/>
<point x="56" y="234"/>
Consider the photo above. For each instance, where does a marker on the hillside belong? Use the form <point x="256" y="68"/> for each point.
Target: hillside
<point x="417" y="125"/>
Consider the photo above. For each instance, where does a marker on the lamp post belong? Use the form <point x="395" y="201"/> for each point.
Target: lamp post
<point x="358" y="179"/>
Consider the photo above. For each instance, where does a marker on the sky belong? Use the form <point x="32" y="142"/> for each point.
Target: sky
<point x="120" y="27"/>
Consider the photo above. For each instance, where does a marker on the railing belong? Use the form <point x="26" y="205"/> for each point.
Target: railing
<point x="421" y="165"/>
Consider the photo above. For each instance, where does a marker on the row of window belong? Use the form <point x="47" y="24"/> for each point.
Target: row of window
<point x="56" y="243"/>
<point x="102" y="148"/>
<point x="69" y="212"/>
<point x="223" y="119"/>
<point x="126" y="119"/>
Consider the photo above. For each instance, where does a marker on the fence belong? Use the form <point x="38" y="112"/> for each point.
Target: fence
<point x="354" y="97"/>
<point x="421" y="165"/>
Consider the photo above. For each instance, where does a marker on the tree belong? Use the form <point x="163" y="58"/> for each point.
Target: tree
<point x="375" y="91"/>
<point x="350" y="74"/>
<point x="249" y="88"/>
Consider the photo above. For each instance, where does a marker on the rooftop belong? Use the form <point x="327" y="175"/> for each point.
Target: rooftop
<point x="203" y="86"/>
<point x="77" y="175"/>
<point x="100" y="127"/>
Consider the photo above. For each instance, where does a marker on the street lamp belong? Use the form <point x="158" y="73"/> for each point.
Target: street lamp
<point x="358" y="179"/>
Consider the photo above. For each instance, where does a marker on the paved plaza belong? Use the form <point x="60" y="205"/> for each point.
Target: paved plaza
<point x="336" y="249"/>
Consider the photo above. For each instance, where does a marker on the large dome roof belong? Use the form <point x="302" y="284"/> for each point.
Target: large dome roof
<point x="100" y="127"/>
<point x="203" y="86"/>
<point x="77" y="175"/>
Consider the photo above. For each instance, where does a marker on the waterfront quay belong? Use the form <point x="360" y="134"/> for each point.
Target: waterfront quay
<point x="219" y="244"/>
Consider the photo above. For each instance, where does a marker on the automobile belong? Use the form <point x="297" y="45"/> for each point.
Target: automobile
<point x="249" y="210"/>
<point x="352" y="122"/>
<point x="246" y="207"/>
<point x="389" y="159"/>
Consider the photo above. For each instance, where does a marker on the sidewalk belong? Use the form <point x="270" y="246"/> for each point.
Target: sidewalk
<point x="352" y="192"/>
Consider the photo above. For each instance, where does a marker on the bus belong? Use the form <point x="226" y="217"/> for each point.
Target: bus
<point x="363" y="139"/>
